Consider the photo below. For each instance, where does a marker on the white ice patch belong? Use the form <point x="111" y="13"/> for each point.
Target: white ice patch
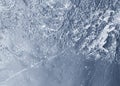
<point x="117" y="18"/>
<point x="6" y="5"/>
<point x="4" y="39"/>
<point x="1" y="8"/>
<point x="102" y="38"/>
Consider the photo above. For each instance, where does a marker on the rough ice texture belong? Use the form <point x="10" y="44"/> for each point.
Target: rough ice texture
<point x="59" y="42"/>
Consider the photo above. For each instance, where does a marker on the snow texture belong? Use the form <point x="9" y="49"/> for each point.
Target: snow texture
<point x="59" y="42"/>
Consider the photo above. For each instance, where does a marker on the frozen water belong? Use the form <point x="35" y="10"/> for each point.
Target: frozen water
<point x="59" y="42"/>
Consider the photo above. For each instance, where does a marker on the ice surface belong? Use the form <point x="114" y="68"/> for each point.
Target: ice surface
<point x="59" y="42"/>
